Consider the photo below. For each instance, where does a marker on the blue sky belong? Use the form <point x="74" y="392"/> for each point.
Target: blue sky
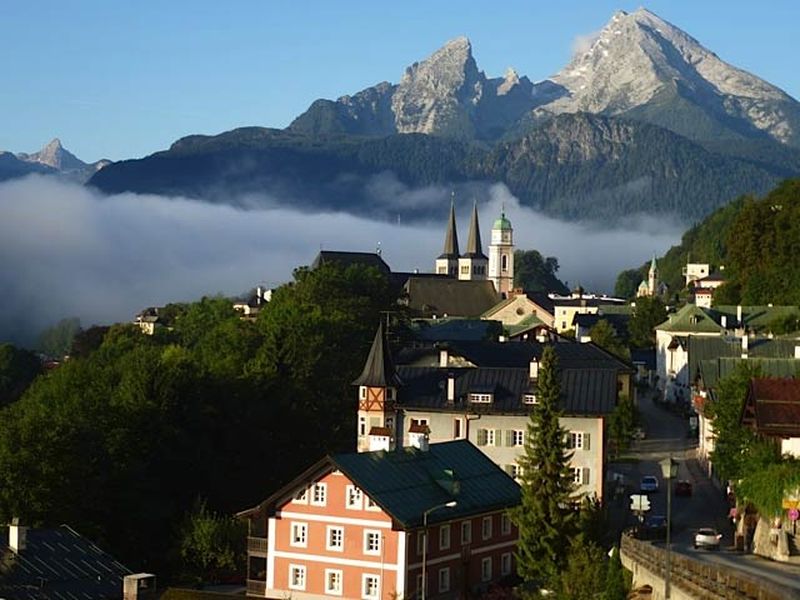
<point x="125" y="79"/>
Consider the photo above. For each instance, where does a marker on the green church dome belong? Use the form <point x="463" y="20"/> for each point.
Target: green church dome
<point x="502" y="222"/>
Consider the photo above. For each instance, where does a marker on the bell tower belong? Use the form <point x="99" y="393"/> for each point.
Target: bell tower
<point x="472" y="264"/>
<point x="377" y="394"/>
<point x="501" y="256"/>
<point x="447" y="263"/>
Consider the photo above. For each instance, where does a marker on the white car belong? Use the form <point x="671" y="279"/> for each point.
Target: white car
<point x="648" y="483"/>
<point x="707" y="538"/>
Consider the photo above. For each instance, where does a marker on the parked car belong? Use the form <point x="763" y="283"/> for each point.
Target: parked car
<point x="648" y="483"/>
<point x="707" y="537"/>
<point x="683" y="488"/>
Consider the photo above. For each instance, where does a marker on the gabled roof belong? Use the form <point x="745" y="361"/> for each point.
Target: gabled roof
<point x="757" y="318"/>
<point x="528" y="323"/>
<point x="619" y="322"/>
<point x="454" y="329"/>
<point x="715" y="357"/>
<point x="772" y="407"/>
<point x="474" y="249"/>
<point x="690" y="319"/>
<point x="378" y="370"/>
<point x="347" y="259"/>
<point x="451" y="237"/>
<point x="407" y="482"/>
<point x="427" y="297"/>
<point x="58" y="564"/>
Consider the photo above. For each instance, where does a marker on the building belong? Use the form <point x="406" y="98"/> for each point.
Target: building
<point x="58" y="564"/>
<point x="501" y="256"/>
<point x="519" y="306"/>
<point x="653" y="286"/>
<point x="368" y="525"/>
<point x="566" y="307"/>
<point x="772" y="410"/>
<point x="694" y="271"/>
<point x="484" y="392"/>
<point x="438" y="297"/>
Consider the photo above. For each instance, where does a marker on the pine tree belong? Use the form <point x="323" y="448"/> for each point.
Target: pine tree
<point x="616" y="587"/>
<point x="545" y="517"/>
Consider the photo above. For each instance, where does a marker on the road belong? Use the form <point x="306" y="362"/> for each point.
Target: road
<point x="707" y="507"/>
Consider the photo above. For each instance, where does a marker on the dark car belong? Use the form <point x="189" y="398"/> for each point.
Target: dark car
<point x="653" y="528"/>
<point x="683" y="488"/>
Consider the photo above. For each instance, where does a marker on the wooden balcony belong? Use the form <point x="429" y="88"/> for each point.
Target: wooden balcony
<point x="256" y="587"/>
<point x="257" y="545"/>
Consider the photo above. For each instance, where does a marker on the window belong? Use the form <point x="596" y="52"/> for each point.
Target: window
<point x="419" y="422"/>
<point x="372" y="542"/>
<point x="466" y="532"/>
<point x="517" y="437"/>
<point x="505" y="563"/>
<point x="297" y="577"/>
<point x="578" y="440"/>
<point x="530" y="399"/>
<point x="333" y="582"/>
<point x="354" y="499"/>
<point x="444" y="580"/>
<point x="301" y="497"/>
<point x="465" y="269"/>
<point x="486" y="528"/>
<point x="580" y="475"/>
<point x="299" y="535"/>
<point x="505" y="525"/>
<point x="390" y="423"/>
<point x="441" y="270"/>
<point x="486" y="569"/>
<point x="458" y="428"/>
<point x="335" y="538"/>
<point x="504" y="263"/>
<point x="362" y="392"/>
<point x="444" y="537"/>
<point x="480" y="398"/>
<point x="319" y="494"/>
<point x="514" y="470"/>
<point x="362" y="425"/>
<point x="370" y="586"/>
<point x="370" y="504"/>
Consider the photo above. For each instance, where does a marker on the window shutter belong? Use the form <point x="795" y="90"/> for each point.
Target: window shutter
<point x="510" y="469"/>
<point x="586" y="444"/>
<point x="569" y="440"/>
<point x="510" y="437"/>
<point x="481" y="437"/>
<point x="585" y="476"/>
<point x="498" y="437"/>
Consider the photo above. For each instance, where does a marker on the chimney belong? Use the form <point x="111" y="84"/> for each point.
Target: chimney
<point x="739" y="315"/>
<point x="138" y="586"/>
<point x="451" y="389"/>
<point x="17" y="536"/>
<point x="444" y="358"/>
<point x="533" y="371"/>
<point x="724" y="321"/>
<point x="745" y="344"/>
<point x="259" y="295"/>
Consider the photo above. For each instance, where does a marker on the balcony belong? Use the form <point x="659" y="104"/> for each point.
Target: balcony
<point x="257" y="545"/>
<point x="256" y="587"/>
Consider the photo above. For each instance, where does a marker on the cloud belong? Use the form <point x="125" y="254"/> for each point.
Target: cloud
<point x="581" y="43"/>
<point x="70" y="251"/>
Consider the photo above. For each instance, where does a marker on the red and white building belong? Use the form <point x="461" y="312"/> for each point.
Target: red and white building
<point x="352" y="526"/>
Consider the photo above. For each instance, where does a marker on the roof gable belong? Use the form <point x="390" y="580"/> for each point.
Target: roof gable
<point x="772" y="407"/>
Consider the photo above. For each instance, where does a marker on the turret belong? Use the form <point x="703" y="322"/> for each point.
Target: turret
<point x="501" y="256"/>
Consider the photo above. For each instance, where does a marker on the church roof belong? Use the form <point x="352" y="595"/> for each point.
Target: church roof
<point x="653" y="266"/>
<point x="347" y="259"/>
<point x="502" y="222"/>
<point x="474" y="249"/>
<point x="378" y="370"/>
<point x="440" y="296"/>
<point x="451" y="237"/>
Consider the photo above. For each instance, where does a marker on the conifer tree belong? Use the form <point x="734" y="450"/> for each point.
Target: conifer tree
<point x="545" y="517"/>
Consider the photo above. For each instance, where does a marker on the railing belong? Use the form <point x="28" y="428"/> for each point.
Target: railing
<point x="256" y="588"/>
<point x="699" y="578"/>
<point x="256" y="545"/>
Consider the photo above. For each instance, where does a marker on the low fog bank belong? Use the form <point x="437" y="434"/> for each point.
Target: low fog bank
<point x="69" y="251"/>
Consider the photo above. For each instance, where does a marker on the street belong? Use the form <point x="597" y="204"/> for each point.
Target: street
<point x="706" y="507"/>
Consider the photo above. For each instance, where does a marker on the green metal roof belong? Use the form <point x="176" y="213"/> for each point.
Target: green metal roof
<point x="502" y="222"/>
<point x="756" y="318"/>
<point x="407" y="482"/>
<point x="527" y="323"/>
<point x="715" y="357"/>
<point x="690" y="319"/>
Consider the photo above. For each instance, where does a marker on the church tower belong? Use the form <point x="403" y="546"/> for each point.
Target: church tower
<point x="377" y="393"/>
<point x="472" y="264"/>
<point x="501" y="256"/>
<point x="652" y="278"/>
<point x="447" y="263"/>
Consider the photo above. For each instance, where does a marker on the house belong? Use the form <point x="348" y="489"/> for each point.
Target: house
<point x="57" y="564"/>
<point x="484" y="392"/>
<point x="566" y="307"/>
<point x="584" y="322"/>
<point x="148" y="320"/>
<point x="772" y="410"/>
<point x="694" y="271"/>
<point x="369" y="525"/>
<point x="251" y="305"/>
<point x="520" y="306"/>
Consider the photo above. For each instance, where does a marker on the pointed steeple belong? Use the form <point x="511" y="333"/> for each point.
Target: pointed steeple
<point x="474" y="249"/>
<point x="451" y="238"/>
<point x="653" y="267"/>
<point x="379" y="370"/>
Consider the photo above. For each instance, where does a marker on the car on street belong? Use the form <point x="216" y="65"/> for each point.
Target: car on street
<point x="707" y="537"/>
<point x="648" y="483"/>
<point x="683" y="488"/>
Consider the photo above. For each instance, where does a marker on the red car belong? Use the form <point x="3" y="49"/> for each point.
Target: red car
<point x="683" y="488"/>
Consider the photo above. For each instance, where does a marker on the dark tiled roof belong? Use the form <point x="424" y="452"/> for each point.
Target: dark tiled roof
<point x="59" y="564"/>
<point x="439" y="296"/>
<point x="440" y="330"/>
<point x="407" y="482"/>
<point x="618" y="321"/>
<point x="347" y="259"/>
<point x="543" y="300"/>
<point x="378" y="370"/>
<point x="773" y="407"/>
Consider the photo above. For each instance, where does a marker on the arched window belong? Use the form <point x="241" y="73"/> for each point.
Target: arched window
<point x="504" y="263"/>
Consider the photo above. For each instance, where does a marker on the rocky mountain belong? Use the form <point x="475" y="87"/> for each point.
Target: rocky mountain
<point x="11" y="167"/>
<point x="54" y="158"/>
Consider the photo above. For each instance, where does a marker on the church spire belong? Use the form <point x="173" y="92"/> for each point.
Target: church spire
<point x="451" y="238"/>
<point x="474" y="249"/>
<point x="379" y="370"/>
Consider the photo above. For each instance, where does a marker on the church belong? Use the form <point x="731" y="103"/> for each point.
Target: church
<point x="474" y="265"/>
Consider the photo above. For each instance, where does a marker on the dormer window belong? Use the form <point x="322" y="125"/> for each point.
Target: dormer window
<point x="480" y="398"/>
<point x="530" y="399"/>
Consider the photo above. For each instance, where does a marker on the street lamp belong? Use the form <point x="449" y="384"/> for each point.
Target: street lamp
<point x="425" y="514"/>
<point x="669" y="470"/>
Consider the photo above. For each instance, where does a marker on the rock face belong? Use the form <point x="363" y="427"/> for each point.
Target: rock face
<point x="61" y="160"/>
<point x="638" y="66"/>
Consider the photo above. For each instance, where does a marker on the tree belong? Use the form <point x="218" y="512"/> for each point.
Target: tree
<point x="211" y="545"/>
<point x="628" y="282"/>
<point x="616" y="587"/>
<point x="584" y="574"/>
<point x="545" y="517"/>
<point x="621" y="424"/>
<point x="604" y="335"/>
<point x="647" y="314"/>
<point x="55" y="341"/>
<point x="18" y="368"/>
<point x="534" y="273"/>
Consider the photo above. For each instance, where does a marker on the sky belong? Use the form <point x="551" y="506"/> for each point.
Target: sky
<point x="122" y="80"/>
